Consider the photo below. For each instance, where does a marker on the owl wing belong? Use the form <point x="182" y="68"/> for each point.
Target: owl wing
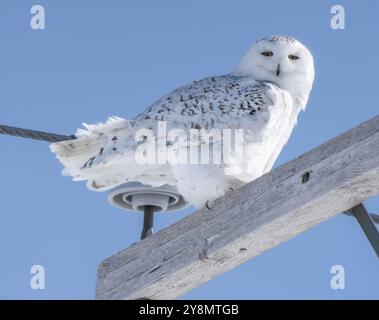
<point x="104" y="154"/>
<point x="215" y="102"/>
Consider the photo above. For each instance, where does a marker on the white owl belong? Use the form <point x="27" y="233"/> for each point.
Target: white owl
<point x="262" y="97"/>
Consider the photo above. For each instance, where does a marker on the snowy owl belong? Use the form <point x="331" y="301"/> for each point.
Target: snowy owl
<point x="262" y="97"/>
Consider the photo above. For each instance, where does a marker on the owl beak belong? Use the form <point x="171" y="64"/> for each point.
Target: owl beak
<point x="278" y="71"/>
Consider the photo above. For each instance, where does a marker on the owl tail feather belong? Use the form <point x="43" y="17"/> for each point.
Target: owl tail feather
<point x="75" y="154"/>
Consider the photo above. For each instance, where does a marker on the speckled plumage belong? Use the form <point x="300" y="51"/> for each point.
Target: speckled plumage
<point x="200" y="103"/>
<point x="251" y="98"/>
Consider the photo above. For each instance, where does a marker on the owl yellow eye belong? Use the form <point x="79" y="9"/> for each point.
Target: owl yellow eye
<point x="267" y="53"/>
<point x="293" y="57"/>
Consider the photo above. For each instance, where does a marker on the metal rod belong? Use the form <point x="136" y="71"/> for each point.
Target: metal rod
<point x="148" y="221"/>
<point x="374" y="217"/>
<point x="367" y="225"/>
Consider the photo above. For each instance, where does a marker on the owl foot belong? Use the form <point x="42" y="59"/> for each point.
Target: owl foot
<point x="208" y="205"/>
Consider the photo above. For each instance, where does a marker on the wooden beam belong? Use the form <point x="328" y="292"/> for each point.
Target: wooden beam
<point x="298" y="195"/>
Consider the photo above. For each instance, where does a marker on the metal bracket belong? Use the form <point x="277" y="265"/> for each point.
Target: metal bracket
<point x="367" y="222"/>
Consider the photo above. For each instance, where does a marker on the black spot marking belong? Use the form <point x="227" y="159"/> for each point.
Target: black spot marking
<point x="195" y="126"/>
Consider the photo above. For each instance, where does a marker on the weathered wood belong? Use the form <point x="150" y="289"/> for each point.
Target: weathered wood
<point x="266" y="212"/>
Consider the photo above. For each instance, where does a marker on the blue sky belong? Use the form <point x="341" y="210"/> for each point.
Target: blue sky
<point x="101" y="58"/>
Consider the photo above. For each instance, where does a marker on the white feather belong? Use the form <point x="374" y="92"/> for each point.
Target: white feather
<point x="254" y="98"/>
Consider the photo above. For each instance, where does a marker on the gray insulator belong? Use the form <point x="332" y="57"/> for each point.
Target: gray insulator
<point x="135" y="196"/>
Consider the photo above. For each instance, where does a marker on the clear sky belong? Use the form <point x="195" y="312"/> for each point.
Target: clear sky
<point x="100" y="58"/>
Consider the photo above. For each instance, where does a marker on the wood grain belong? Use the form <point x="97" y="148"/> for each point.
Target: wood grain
<point x="298" y="195"/>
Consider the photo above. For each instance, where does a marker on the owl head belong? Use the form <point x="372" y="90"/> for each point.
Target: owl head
<point x="282" y="60"/>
